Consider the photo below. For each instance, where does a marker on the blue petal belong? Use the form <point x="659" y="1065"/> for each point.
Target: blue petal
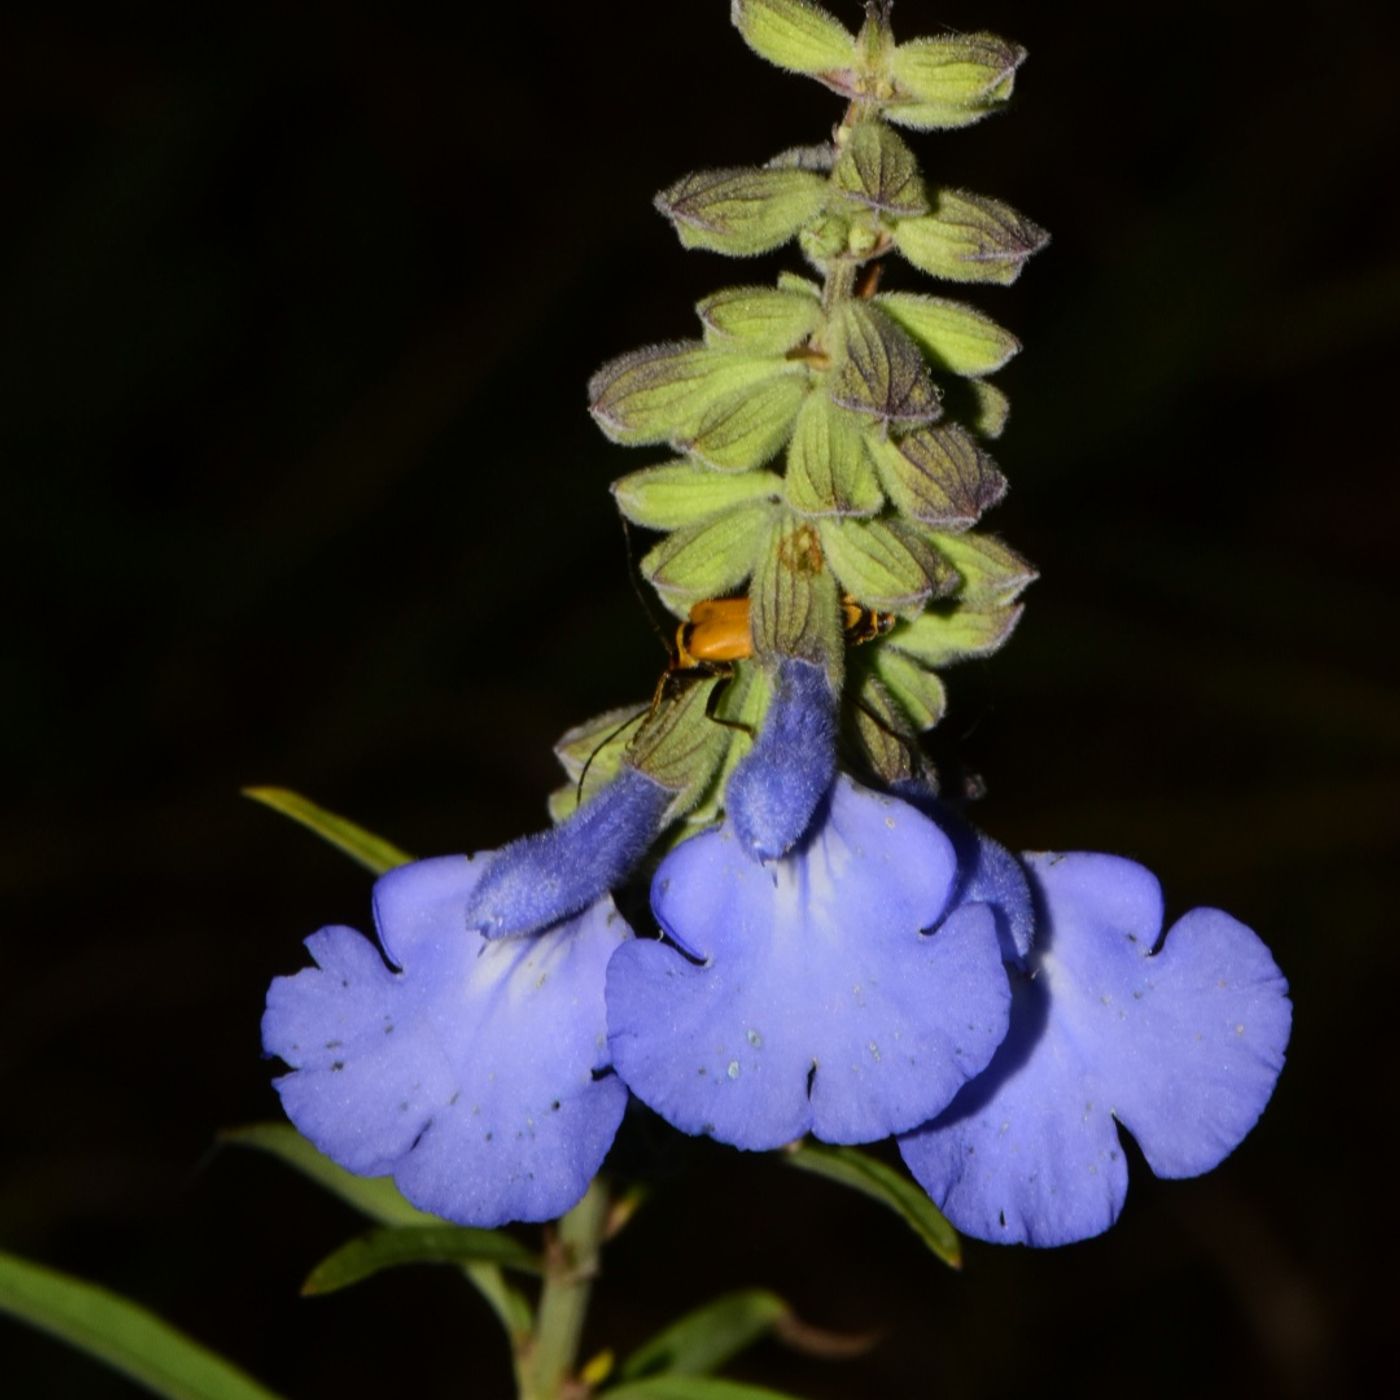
<point x="1182" y="1046"/>
<point x="775" y="790"/>
<point x="470" y="1075"/>
<point x="539" y="879"/>
<point x="819" y="1006"/>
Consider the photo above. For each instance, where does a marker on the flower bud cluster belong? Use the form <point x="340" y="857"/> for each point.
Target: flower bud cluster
<point x="830" y="436"/>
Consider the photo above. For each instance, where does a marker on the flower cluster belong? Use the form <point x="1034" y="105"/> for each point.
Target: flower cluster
<point x="894" y="974"/>
<point x="840" y="958"/>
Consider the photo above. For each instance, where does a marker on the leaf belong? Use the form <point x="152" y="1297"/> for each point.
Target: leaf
<point x="881" y="372"/>
<point x="951" y="80"/>
<point x="693" y="1388"/>
<point x="794" y="608"/>
<point x="748" y="428"/>
<point x="704" y="1340"/>
<point x="794" y="35"/>
<point x="970" y="238"/>
<point x="938" y="639"/>
<point x="742" y="211"/>
<point x="992" y="408"/>
<point x="877" y="170"/>
<point x="891" y="1188"/>
<point x="956" y="338"/>
<point x="917" y="691"/>
<point x="884" y="565"/>
<point x="992" y="573"/>
<point x="662" y="392"/>
<point x="379" y="1199"/>
<point x="374" y="1196"/>
<point x="706" y="560"/>
<point x="684" y="493"/>
<point x="829" y="471"/>
<point x="124" y="1335"/>
<point x="765" y="320"/>
<point x="374" y="853"/>
<point x="392" y="1246"/>
<point x="938" y="475"/>
<point x="884" y="734"/>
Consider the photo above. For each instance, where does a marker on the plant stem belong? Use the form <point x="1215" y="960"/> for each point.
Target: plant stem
<point x="544" y="1366"/>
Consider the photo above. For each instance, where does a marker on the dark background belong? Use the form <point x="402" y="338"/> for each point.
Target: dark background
<point x="300" y="489"/>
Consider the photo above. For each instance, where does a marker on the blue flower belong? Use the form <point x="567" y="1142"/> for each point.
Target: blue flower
<point x="806" y="994"/>
<point x="474" y="1074"/>
<point x="1180" y="1040"/>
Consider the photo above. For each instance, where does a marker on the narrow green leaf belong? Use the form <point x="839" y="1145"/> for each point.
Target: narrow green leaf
<point x="706" y="560"/>
<point x="884" y="565"/>
<point x="881" y="371"/>
<point x="693" y="1388"/>
<point x="379" y="1199"/>
<point x="748" y="428"/>
<point x="374" y="1196"/>
<point x="702" y="1341"/>
<point x="742" y="211"/>
<point x="938" y="475"/>
<point x="392" y="1246"/>
<point x="124" y="1335"/>
<point x="795" y="35"/>
<point x="877" y="170"/>
<point x="873" y="1178"/>
<point x="951" y="80"/>
<point x="829" y="471"/>
<point x="765" y="320"/>
<point x="686" y="492"/>
<point x="970" y="238"/>
<point x="956" y="338"/>
<point x="371" y="851"/>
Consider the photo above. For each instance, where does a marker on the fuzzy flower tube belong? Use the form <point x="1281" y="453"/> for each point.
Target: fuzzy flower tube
<point x="833" y="952"/>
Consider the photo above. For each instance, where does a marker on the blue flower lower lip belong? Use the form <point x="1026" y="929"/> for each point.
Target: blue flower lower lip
<point x="1183" y="1047"/>
<point x="821" y="1005"/>
<point x="472" y="1076"/>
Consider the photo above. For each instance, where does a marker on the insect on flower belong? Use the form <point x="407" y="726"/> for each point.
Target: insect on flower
<point x="706" y="645"/>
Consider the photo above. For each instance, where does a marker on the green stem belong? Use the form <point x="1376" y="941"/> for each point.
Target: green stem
<point x="544" y="1366"/>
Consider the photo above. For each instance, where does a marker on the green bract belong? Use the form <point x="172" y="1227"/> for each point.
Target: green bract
<point x="831" y="466"/>
<point x="939" y="476"/>
<point x="829" y="471"/>
<point x="880" y="370"/>
<point x="683" y="493"/>
<point x="969" y="238"/>
<point x="876" y="169"/>
<point x="743" y="211"/>
<point x="952" y="80"/>
<point x="795" y="35"/>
